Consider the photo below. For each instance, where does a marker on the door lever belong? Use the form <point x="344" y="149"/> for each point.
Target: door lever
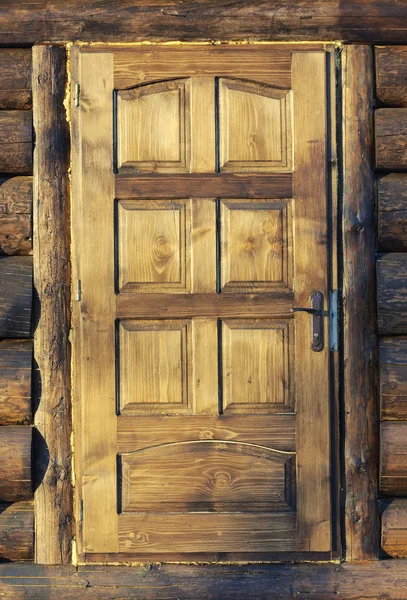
<point x="317" y="321"/>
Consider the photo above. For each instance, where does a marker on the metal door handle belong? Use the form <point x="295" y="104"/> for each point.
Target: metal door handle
<point x="317" y="321"/>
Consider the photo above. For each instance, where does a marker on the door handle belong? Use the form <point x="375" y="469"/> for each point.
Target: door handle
<point x="317" y="321"/>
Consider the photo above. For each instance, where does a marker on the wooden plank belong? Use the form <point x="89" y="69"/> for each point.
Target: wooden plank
<point x="391" y="293"/>
<point x="360" y="351"/>
<point x="391" y="139"/>
<point x="273" y="431"/>
<point x="53" y="497"/>
<point x="393" y="378"/>
<point x="15" y="464"/>
<point x="16" y="293"/>
<point x="197" y="532"/>
<point x="391" y="75"/>
<point x="156" y="306"/>
<point x="205" y="185"/>
<point x="15" y="382"/>
<point x="311" y="368"/>
<point x="394" y="529"/>
<point x="392" y="212"/>
<point x="96" y="430"/>
<point x="17" y="531"/>
<point x="371" y="21"/>
<point x="393" y="475"/>
<point x="16" y="141"/>
<point x="15" y="78"/>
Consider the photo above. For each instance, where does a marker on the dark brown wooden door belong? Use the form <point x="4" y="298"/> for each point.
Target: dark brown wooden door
<point x="199" y="222"/>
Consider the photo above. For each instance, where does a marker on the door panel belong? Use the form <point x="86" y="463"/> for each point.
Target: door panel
<point x="199" y="222"/>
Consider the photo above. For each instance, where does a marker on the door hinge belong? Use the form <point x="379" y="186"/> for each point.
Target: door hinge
<point x="77" y="94"/>
<point x="78" y="290"/>
<point x="333" y="321"/>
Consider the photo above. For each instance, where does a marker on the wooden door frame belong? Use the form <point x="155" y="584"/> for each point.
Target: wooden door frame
<point x="359" y="464"/>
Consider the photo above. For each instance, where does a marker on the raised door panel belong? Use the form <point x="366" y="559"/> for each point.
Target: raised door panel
<point x="254" y="127"/>
<point x="153" y="127"/>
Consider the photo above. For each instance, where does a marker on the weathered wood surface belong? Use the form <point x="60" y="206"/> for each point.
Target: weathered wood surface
<point x="16" y="292"/>
<point x="391" y="75"/>
<point x="393" y="476"/>
<point x="15" y="78"/>
<point x="392" y="293"/>
<point x="372" y="21"/>
<point x="17" y="531"/>
<point x="15" y="463"/>
<point x="53" y="498"/>
<point x="391" y="139"/>
<point x="15" y="141"/>
<point x="16" y="216"/>
<point x="15" y="381"/>
<point x="368" y="581"/>
<point x="360" y="348"/>
<point x="394" y="529"/>
<point x="392" y="212"/>
<point x="393" y="378"/>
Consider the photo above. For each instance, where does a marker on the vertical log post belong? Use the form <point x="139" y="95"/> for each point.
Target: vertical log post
<point x="53" y="498"/>
<point x="360" y="343"/>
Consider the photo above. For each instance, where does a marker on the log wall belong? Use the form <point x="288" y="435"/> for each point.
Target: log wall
<point x="391" y="165"/>
<point x="16" y="294"/>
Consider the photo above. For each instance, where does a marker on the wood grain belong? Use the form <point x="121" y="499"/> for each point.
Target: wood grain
<point x="16" y="141"/>
<point x="394" y="529"/>
<point x="393" y="476"/>
<point x="392" y="212"/>
<point x="17" y="531"/>
<point x="53" y="497"/>
<point x="368" y="21"/>
<point x="391" y="139"/>
<point x="15" y="463"/>
<point x="16" y="195"/>
<point x="16" y="285"/>
<point x="391" y="293"/>
<point x="391" y="75"/>
<point x="16" y="216"/>
<point x="393" y="378"/>
<point x="15" y="78"/>
<point x="15" y="382"/>
<point x="360" y="344"/>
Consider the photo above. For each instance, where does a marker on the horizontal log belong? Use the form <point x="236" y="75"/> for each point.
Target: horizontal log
<point x="393" y="378"/>
<point x="391" y="139"/>
<point x="394" y="529"/>
<point x="393" y="476"/>
<point x="16" y="216"/>
<point x="15" y="381"/>
<point x="16" y="141"/>
<point x="15" y="78"/>
<point x="15" y="464"/>
<point x="373" y="21"/>
<point x="17" y="531"/>
<point x="16" y="290"/>
<point x="391" y="75"/>
<point x="392" y="212"/>
<point x="392" y="293"/>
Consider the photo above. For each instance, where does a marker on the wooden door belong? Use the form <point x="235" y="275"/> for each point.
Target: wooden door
<point x="199" y="221"/>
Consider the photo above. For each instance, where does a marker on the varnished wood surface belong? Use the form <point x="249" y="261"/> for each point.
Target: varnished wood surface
<point x="391" y="139"/>
<point x="392" y="212"/>
<point x="16" y="531"/>
<point x="393" y="476"/>
<point x="205" y="185"/>
<point x="394" y="529"/>
<point x="272" y="431"/>
<point x="53" y="498"/>
<point x="360" y="349"/>
<point x="16" y="141"/>
<point x="369" y="21"/>
<point x="391" y="75"/>
<point x="16" y="285"/>
<point x="15" y="78"/>
<point x="15" y="463"/>
<point x="391" y="293"/>
<point x="393" y="378"/>
<point x="15" y="381"/>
